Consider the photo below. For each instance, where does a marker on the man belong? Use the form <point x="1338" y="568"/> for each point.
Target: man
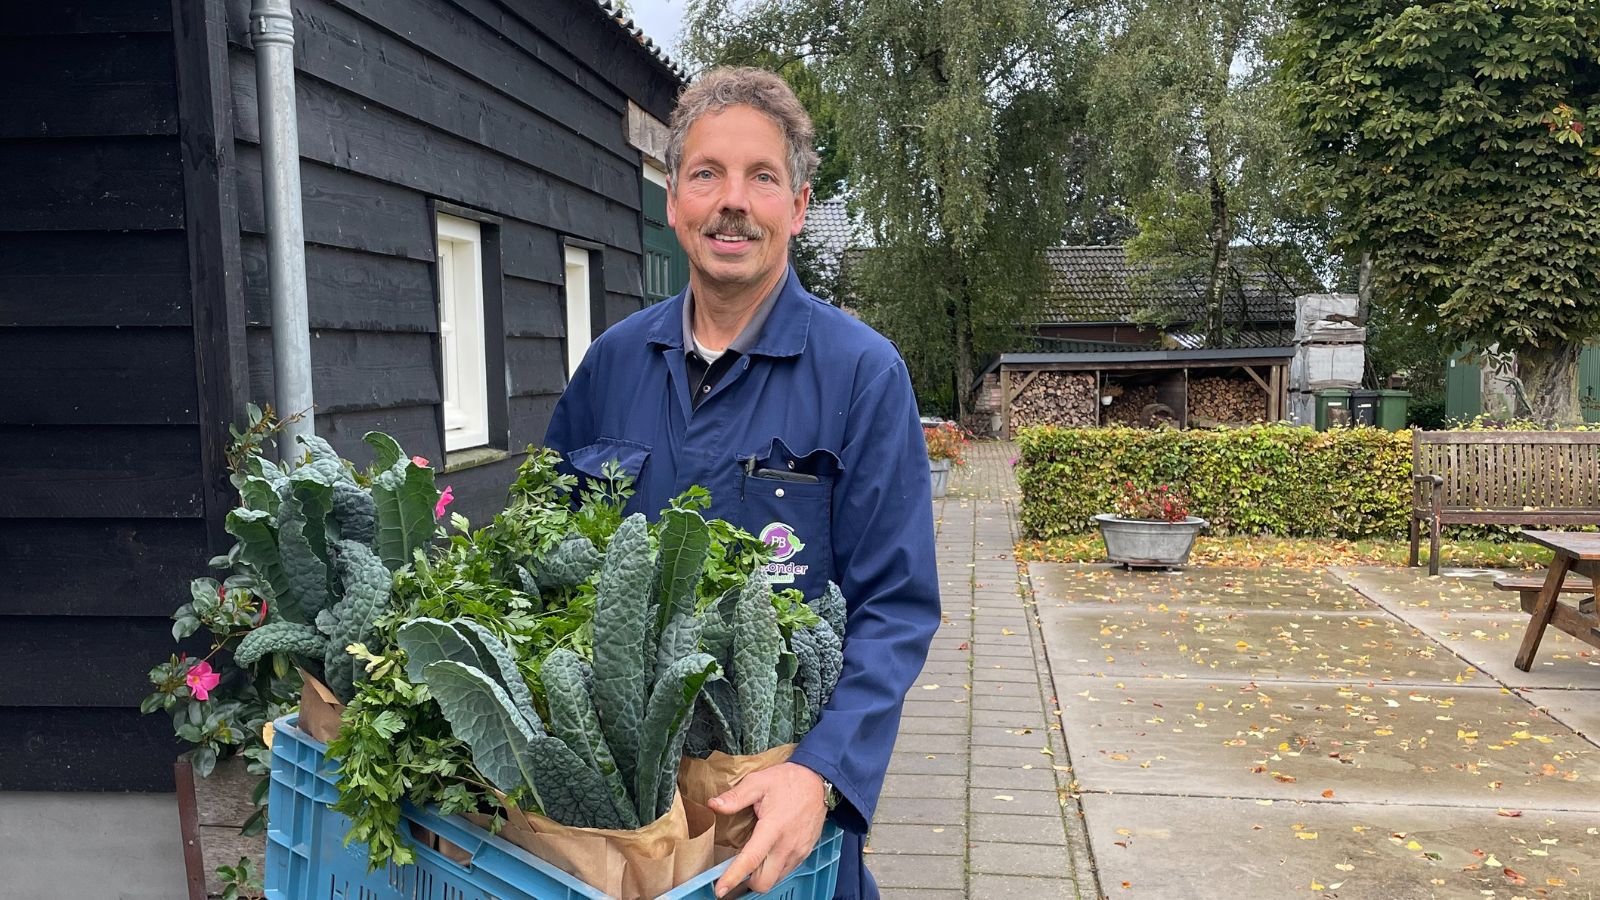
<point x="801" y="422"/>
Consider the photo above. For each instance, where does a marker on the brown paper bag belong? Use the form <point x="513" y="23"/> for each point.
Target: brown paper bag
<point x="629" y="865"/>
<point x="701" y="779"/>
<point x="319" y="709"/>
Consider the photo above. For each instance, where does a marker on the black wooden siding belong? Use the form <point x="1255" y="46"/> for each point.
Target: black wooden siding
<point x="504" y="108"/>
<point x="102" y="488"/>
<point x="133" y="294"/>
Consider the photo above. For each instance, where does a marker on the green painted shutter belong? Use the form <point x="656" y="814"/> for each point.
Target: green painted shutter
<point x="1463" y="388"/>
<point x="666" y="267"/>
<point x="1589" y="383"/>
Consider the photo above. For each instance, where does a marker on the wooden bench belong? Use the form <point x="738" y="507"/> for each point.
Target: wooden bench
<point x="1531" y="478"/>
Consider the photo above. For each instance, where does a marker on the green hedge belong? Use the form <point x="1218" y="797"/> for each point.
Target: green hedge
<point x="1263" y="479"/>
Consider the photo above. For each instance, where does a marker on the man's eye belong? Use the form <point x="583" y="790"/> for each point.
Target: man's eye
<point x="702" y="175"/>
<point x="765" y="178"/>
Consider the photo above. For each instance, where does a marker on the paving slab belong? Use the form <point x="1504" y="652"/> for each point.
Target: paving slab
<point x="1416" y="589"/>
<point x="1252" y="645"/>
<point x="1201" y="588"/>
<point x="944" y="840"/>
<point x="1479" y="624"/>
<point x="1490" y="642"/>
<point x="1144" y="847"/>
<point x="926" y="872"/>
<point x="1046" y="830"/>
<point x="1456" y="746"/>
<point x="1578" y="710"/>
<point x="1021" y="887"/>
<point x="1004" y="858"/>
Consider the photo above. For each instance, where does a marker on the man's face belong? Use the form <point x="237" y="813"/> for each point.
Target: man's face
<point x="731" y="202"/>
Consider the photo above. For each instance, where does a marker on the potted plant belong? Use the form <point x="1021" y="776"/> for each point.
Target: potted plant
<point x="1151" y="527"/>
<point x="946" y="444"/>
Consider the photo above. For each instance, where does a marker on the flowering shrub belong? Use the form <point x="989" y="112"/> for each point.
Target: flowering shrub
<point x="946" y="441"/>
<point x="1158" y="504"/>
<point x="286" y="598"/>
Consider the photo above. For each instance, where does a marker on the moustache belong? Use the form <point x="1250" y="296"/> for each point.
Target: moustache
<point x="736" y="226"/>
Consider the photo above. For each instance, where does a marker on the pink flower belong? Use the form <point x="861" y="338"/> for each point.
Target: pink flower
<point x="201" y="680"/>
<point x="419" y="462"/>
<point x="263" y="616"/>
<point x="445" y="499"/>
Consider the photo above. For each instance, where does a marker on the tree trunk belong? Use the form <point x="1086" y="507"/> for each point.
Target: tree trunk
<point x="1550" y="379"/>
<point x="963" y="354"/>
<point x="1221" y="237"/>
<point x="1364" y="288"/>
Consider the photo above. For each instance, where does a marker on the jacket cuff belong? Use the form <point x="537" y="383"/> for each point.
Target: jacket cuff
<point x="848" y="813"/>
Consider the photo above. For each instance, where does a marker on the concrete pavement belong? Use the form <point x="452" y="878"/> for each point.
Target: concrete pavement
<point x="1255" y="733"/>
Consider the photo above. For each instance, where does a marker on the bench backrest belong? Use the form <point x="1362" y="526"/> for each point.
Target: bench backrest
<point x="1512" y="469"/>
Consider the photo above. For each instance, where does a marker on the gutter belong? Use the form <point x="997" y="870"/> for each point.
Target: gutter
<point x="272" y="35"/>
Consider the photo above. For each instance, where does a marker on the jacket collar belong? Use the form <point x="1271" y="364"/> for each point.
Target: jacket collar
<point x="784" y="334"/>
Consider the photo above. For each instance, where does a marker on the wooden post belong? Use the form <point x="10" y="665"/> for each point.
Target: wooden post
<point x="1005" y="402"/>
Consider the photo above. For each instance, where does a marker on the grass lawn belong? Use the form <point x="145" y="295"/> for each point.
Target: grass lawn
<point x="1308" y="553"/>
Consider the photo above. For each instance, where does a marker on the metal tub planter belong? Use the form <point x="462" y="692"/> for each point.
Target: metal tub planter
<point x="939" y="472"/>
<point x="1147" y="542"/>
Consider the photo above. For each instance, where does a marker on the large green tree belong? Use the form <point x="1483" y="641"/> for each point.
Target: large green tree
<point x="1182" y="99"/>
<point x="1453" y="139"/>
<point x="957" y="121"/>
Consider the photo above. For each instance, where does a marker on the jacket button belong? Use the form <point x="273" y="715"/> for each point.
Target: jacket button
<point x="791" y="465"/>
<point x="779" y="492"/>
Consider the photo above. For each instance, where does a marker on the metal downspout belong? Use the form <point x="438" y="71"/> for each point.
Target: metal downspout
<point x="272" y="34"/>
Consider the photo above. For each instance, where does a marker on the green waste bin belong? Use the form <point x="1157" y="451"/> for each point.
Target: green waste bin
<point x="1333" y="408"/>
<point x="1392" y="409"/>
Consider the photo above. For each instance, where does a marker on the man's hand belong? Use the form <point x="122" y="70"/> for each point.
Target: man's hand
<point x="790" y="804"/>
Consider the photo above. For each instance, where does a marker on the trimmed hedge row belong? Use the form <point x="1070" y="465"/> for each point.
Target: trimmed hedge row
<point x="1262" y="479"/>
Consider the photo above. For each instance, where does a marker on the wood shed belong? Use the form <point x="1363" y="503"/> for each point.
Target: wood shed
<point x="1188" y="388"/>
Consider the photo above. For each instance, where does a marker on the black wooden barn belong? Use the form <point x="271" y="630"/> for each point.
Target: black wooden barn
<point x="514" y="137"/>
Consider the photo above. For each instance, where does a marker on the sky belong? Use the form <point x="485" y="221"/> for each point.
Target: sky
<point x="661" y="20"/>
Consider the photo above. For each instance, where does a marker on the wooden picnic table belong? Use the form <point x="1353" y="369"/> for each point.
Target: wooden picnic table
<point x="1574" y="552"/>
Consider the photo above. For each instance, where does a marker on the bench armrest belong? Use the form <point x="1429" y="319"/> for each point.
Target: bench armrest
<point x="1427" y="495"/>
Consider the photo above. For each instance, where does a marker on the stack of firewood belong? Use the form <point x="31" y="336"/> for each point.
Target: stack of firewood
<point x="1126" y="406"/>
<point x="1217" y="400"/>
<point x="1067" y="399"/>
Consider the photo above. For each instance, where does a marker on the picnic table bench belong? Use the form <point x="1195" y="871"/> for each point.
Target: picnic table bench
<point x="1538" y="478"/>
<point x="1573" y="569"/>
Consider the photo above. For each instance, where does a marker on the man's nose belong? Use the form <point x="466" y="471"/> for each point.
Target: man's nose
<point x="735" y="197"/>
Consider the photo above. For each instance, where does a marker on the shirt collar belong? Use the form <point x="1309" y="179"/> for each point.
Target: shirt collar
<point x="779" y="327"/>
<point x="747" y="336"/>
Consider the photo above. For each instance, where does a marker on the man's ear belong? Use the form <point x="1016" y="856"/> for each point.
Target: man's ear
<point x="802" y="203"/>
<point x="672" y="206"/>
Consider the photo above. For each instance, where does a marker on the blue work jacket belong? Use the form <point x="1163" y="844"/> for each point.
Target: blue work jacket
<point x="823" y="397"/>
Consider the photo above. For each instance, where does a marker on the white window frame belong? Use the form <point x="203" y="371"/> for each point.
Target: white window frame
<point x="580" y="320"/>
<point x="461" y="334"/>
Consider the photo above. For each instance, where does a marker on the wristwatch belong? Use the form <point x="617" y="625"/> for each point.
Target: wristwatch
<point x="830" y="797"/>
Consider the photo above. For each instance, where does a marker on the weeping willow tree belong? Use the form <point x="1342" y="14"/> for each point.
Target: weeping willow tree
<point x="959" y="123"/>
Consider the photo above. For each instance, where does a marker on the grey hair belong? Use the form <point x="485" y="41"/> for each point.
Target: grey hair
<point x="768" y="94"/>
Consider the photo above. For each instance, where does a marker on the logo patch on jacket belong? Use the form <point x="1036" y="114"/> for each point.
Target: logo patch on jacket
<point x="785" y="546"/>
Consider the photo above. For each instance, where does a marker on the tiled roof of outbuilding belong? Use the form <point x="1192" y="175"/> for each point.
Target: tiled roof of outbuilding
<point x="829" y="228"/>
<point x="1099" y="284"/>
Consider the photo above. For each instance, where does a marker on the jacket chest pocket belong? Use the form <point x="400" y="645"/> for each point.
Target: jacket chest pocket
<point x="786" y="500"/>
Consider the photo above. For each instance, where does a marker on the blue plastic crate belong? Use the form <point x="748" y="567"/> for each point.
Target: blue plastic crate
<point x="308" y="860"/>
